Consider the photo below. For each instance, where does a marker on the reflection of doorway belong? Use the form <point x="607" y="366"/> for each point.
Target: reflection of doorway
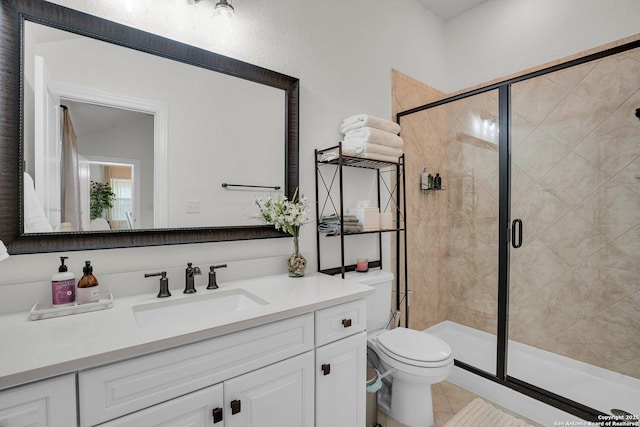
<point x="112" y="112"/>
<point x="122" y="175"/>
<point x="114" y="139"/>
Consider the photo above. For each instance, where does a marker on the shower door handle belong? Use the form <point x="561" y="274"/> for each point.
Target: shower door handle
<point x="516" y="225"/>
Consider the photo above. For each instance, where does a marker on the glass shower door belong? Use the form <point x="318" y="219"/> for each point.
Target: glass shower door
<point x="472" y="172"/>
<point x="573" y="289"/>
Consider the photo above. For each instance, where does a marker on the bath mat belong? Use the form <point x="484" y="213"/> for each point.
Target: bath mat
<point x="479" y="413"/>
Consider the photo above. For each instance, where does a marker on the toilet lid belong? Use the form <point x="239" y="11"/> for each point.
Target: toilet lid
<point x="414" y="345"/>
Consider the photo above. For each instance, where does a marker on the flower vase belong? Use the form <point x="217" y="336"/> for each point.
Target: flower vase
<point x="296" y="262"/>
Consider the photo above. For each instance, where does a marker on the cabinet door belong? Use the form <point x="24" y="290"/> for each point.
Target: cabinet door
<point x="278" y="395"/>
<point x="50" y="403"/>
<point x="341" y="382"/>
<point x="198" y="409"/>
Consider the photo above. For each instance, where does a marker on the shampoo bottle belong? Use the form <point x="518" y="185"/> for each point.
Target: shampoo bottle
<point x="88" y="285"/>
<point x="63" y="286"/>
<point x="424" y="180"/>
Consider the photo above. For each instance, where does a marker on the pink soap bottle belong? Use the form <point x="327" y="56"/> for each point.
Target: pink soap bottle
<point x="63" y="286"/>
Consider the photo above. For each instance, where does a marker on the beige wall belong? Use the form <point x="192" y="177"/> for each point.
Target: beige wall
<point x="574" y="283"/>
<point x="426" y="211"/>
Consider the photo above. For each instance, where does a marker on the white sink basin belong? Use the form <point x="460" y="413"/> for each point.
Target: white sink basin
<point x="195" y="308"/>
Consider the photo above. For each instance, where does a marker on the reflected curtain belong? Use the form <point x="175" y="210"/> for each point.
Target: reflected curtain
<point x="70" y="173"/>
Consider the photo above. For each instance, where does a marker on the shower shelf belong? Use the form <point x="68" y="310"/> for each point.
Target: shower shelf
<point x="390" y="181"/>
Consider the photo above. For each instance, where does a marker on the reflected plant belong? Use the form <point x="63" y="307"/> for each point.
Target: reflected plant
<point x="101" y="197"/>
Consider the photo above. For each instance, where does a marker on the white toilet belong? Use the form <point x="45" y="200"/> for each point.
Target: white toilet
<point x="414" y="359"/>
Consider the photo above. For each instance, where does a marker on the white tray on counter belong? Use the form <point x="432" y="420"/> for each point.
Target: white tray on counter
<point x="47" y="310"/>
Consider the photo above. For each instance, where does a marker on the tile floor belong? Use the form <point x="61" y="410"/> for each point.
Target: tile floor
<point x="448" y="399"/>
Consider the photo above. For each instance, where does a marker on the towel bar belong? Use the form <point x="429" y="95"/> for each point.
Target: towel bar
<point x="275" y="187"/>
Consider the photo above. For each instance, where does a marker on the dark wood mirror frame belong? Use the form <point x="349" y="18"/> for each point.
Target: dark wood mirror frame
<point x="13" y="13"/>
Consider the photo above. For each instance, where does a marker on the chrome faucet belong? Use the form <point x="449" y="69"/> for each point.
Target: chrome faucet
<point x="189" y="274"/>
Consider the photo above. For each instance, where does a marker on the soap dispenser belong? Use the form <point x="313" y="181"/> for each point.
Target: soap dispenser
<point x="63" y="286"/>
<point x="88" y="285"/>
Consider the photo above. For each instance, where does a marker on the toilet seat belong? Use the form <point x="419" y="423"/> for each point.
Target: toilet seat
<point x="414" y="348"/>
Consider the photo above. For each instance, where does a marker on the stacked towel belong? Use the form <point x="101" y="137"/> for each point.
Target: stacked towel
<point x="375" y="136"/>
<point x="330" y="224"/>
<point x="365" y="120"/>
<point x="371" y="137"/>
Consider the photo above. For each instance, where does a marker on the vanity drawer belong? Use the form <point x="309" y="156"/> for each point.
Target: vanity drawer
<point x="115" y="390"/>
<point x="340" y="321"/>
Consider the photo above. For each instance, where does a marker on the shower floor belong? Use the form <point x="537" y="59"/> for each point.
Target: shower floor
<point x="590" y="385"/>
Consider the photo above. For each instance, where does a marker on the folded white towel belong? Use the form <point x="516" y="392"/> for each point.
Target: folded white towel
<point x="375" y="136"/>
<point x="3" y="251"/>
<point x="349" y="151"/>
<point x="346" y="151"/>
<point x="35" y="220"/>
<point x="360" y="145"/>
<point x="381" y="157"/>
<point x="362" y="120"/>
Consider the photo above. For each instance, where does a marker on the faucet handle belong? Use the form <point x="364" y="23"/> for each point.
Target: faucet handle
<point x="164" y="283"/>
<point x="212" y="276"/>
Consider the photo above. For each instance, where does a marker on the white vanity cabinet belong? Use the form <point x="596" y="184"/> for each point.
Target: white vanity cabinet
<point x="123" y="388"/>
<point x="251" y="367"/>
<point x="341" y="363"/>
<point x="279" y="395"/>
<point x="49" y="403"/>
<point x="203" y="408"/>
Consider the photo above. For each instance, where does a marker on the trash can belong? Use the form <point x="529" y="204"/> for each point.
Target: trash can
<point x="372" y="397"/>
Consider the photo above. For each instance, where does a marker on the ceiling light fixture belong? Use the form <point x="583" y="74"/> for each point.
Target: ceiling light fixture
<point x="222" y="8"/>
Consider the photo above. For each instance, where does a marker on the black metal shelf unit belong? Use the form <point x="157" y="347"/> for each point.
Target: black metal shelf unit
<point x="390" y="178"/>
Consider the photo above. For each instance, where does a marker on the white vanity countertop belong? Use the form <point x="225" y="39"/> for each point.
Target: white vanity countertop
<point x="33" y="350"/>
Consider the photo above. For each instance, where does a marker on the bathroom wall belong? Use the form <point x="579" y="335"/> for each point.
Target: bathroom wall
<point x="342" y="52"/>
<point x="501" y="37"/>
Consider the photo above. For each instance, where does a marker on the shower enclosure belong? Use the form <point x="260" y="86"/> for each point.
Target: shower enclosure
<point x="542" y="242"/>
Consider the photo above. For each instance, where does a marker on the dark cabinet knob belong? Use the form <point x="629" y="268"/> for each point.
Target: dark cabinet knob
<point x="217" y="415"/>
<point x="326" y="369"/>
<point x="346" y="323"/>
<point x="235" y="407"/>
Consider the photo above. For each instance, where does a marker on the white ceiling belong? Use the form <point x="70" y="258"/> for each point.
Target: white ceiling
<point x="89" y="118"/>
<point x="449" y="9"/>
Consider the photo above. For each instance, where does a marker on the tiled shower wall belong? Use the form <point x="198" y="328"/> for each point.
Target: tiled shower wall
<point x="425" y="145"/>
<point x="576" y="157"/>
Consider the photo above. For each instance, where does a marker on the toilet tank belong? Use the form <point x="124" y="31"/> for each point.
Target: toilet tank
<point x="378" y="304"/>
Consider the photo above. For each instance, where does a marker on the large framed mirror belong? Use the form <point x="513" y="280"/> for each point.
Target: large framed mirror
<point x="176" y="136"/>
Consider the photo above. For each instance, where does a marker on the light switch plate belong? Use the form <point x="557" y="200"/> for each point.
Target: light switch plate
<point x="192" y="206"/>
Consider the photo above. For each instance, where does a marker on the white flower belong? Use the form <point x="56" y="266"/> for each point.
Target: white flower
<point x="285" y="215"/>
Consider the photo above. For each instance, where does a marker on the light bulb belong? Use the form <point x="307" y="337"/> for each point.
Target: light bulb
<point x="223" y="8"/>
